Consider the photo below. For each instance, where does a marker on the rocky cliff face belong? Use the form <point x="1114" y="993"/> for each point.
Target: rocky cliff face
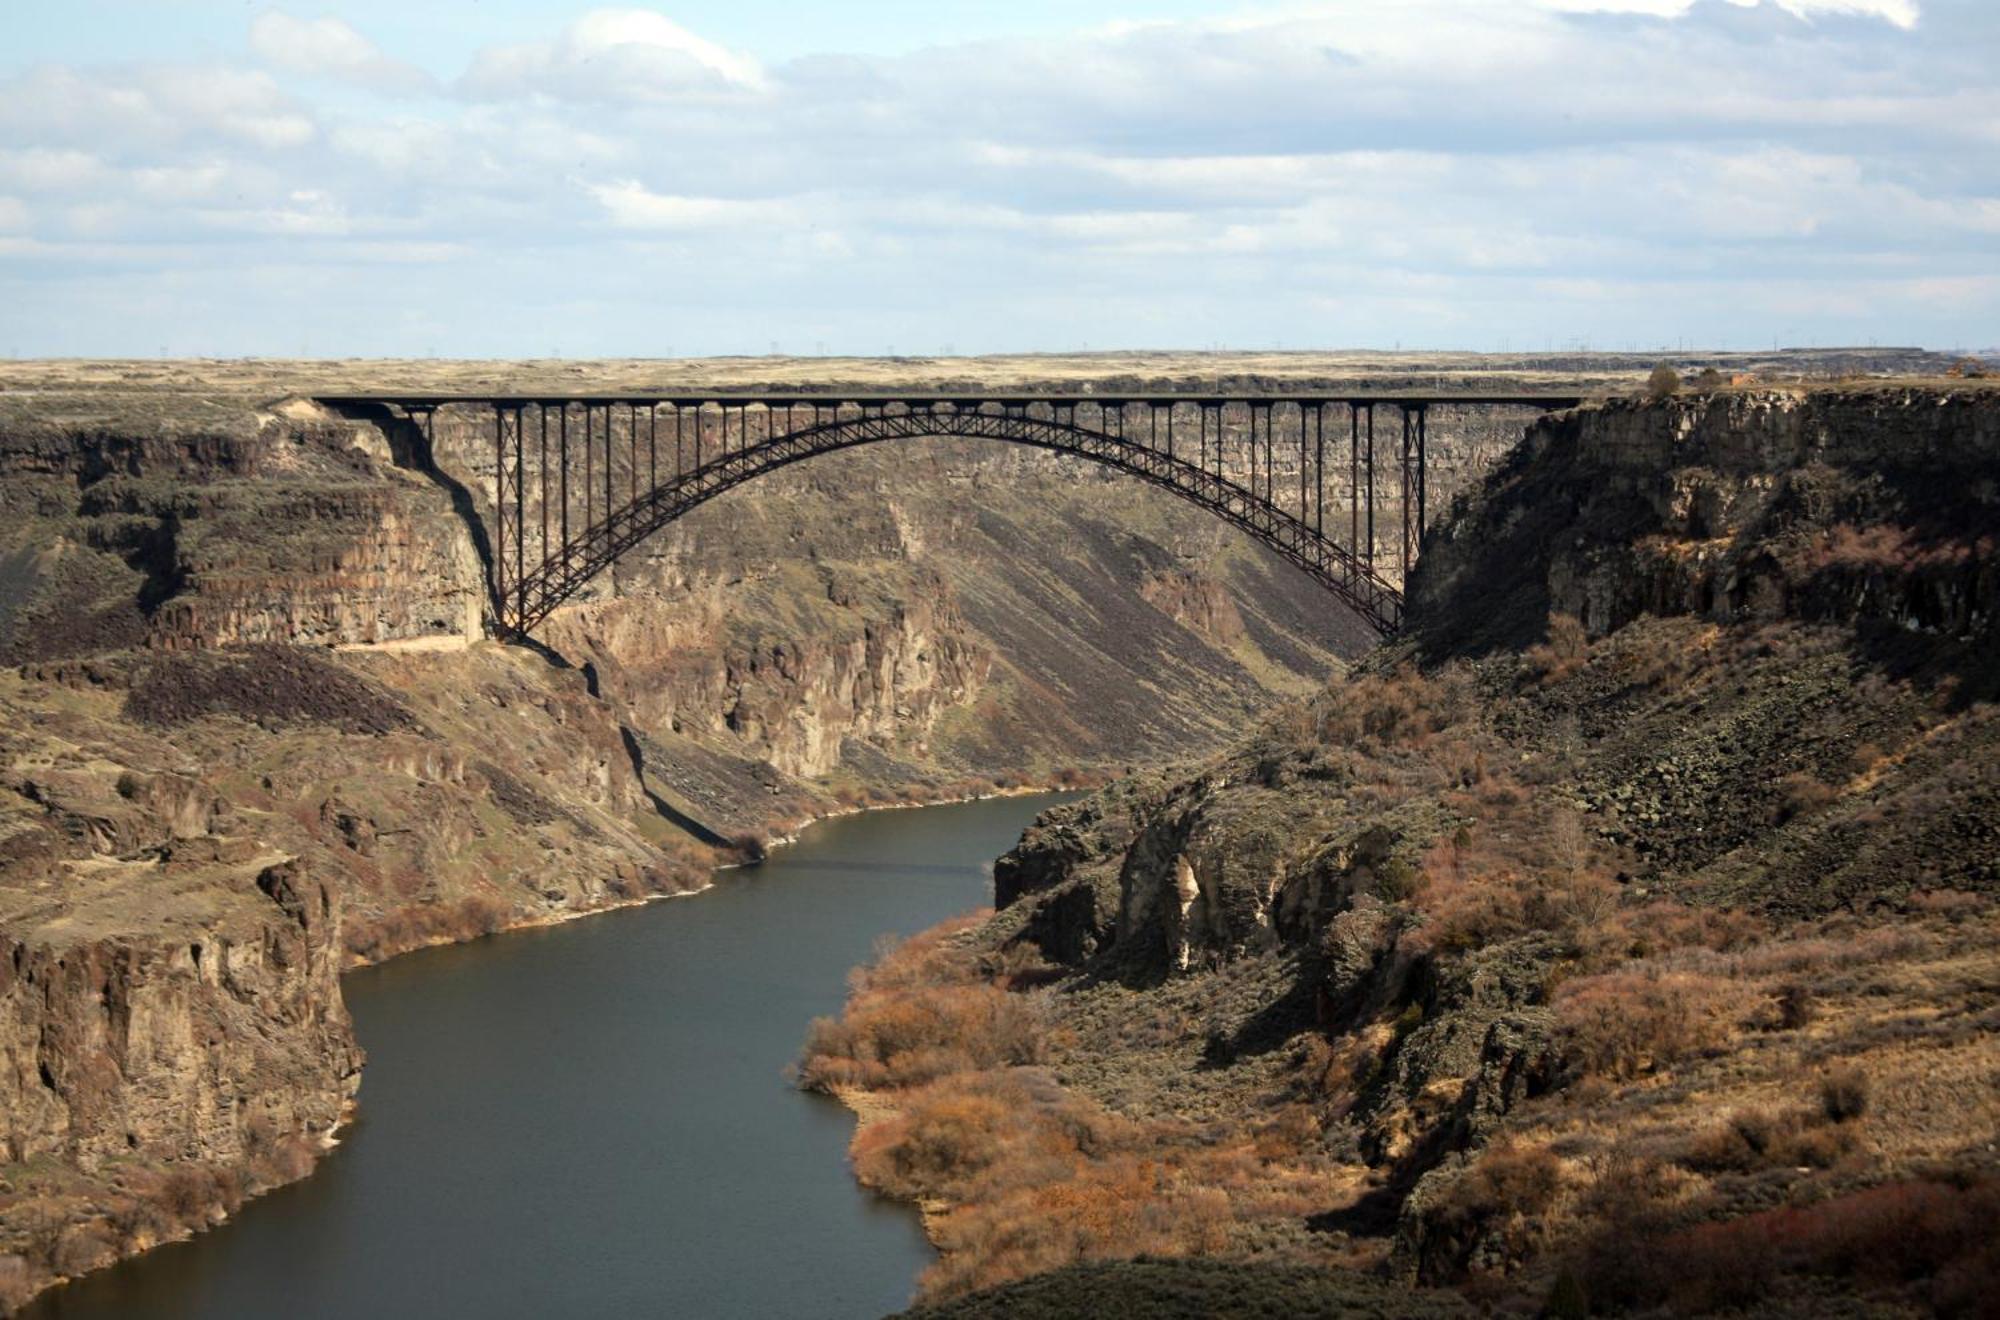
<point x="197" y="842"/>
<point x="172" y="1035"/>
<point x="1859" y="506"/>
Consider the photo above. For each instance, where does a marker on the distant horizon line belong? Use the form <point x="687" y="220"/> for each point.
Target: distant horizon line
<point x="1650" y="355"/>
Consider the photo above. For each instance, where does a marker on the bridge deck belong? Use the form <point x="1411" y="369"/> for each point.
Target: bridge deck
<point x="1158" y="399"/>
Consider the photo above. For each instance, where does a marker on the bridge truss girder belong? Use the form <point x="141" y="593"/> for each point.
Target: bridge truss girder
<point x="1186" y="445"/>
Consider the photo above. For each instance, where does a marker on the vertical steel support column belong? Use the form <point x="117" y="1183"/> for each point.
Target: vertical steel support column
<point x="680" y="458"/>
<point x="1354" y="485"/>
<point x="1271" y="455"/>
<point x="1251" y="410"/>
<point x="1303" y="512"/>
<point x="500" y="514"/>
<point x="1423" y="475"/>
<point x="653" y="448"/>
<point x="589" y="475"/>
<point x="1319" y="469"/>
<point x="1409" y="438"/>
<point x="608" y="451"/>
<point x="1371" y="487"/>
<point x="563" y="439"/>
<point x="520" y="514"/>
<point x="542" y="411"/>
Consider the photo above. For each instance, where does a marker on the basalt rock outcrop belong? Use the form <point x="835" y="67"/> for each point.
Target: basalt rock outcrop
<point x="1862" y="506"/>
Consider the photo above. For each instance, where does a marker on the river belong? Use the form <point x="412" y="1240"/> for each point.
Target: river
<point x="592" y="1119"/>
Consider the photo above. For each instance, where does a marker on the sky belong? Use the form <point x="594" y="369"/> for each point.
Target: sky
<point x="501" y="178"/>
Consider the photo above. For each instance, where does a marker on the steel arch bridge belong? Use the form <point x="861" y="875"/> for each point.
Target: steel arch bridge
<point x="570" y="494"/>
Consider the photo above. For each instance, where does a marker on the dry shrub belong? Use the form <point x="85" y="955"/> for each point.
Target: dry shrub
<point x="1497" y="1207"/>
<point x="1287" y="1134"/>
<point x="1950" y="904"/>
<point x="1802" y="795"/>
<point x="1661" y="926"/>
<point x="1038" y="1179"/>
<point x="184" y="1195"/>
<point x="1565" y="652"/>
<point x="188" y="1194"/>
<point x="1621" y="1024"/>
<point x="1403" y="710"/>
<point x="1833" y="944"/>
<point x="139" y="1220"/>
<point x="1930" y="1233"/>
<point x="81" y="1249"/>
<point x="1020" y="966"/>
<point x="922" y="1011"/>
<point x="15" y="1285"/>
<point x="943" y="1139"/>
<point x="937" y="956"/>
<point x="1464" y="908"/>
<point x="398" y="930"/>
<point x="276" y="1156"/>
<point x="1768" y="1139"/>
<point x="1796" y="1007"/>
<point x="1843" y="1096"/>
<point x="1337" y="1072"/>
<point x="907" y="1038"/>
<point x="1865" y="758"/>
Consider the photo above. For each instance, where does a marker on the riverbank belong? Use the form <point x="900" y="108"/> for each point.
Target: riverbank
<point x="210" y="1201"/>
<point x="633" y="1064"/>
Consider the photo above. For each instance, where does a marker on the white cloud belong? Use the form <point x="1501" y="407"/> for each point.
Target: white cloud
<point x="147" y="107"/>
<point x="615" y="55"/>
<point x="1903" y="13"/>
<point x="632" y="206"/>
<point x="40" y="169"/>
<point x="330" y="48"/>
<point x="1450" y="167"/>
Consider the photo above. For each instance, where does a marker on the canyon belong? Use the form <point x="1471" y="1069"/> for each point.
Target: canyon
<point x="254" y="732"/>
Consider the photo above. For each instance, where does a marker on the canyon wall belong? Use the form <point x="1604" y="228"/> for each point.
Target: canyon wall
<point x="1858" y="505"/>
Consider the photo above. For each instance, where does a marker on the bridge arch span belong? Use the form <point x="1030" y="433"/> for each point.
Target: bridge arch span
<point x="1221" y="453"/>
<point x="529" y="598"/>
